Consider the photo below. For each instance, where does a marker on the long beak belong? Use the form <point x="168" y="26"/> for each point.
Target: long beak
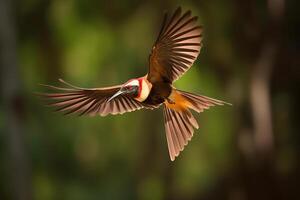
<point x="115" y="95"/>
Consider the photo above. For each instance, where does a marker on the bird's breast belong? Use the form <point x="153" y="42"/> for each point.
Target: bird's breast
<point x="144" y="89"/>
<point x="158" y="94"/>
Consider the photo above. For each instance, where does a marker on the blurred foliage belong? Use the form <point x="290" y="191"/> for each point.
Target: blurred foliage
<point x="99" y="43"/>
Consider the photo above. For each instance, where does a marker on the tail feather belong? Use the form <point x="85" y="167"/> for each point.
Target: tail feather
<point x="180" y="122"/>
<point x="179" y="129"/>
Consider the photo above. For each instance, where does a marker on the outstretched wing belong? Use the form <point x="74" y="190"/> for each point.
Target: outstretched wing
<point x="176" y="48"/>
<point x="89" y="101"/>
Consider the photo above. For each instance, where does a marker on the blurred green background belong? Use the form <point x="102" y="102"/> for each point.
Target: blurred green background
<point x="250" y="58"/>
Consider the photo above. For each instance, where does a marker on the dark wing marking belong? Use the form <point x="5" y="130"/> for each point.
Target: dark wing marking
<point x="89" y="101"/>
<point x="176" y="48"/>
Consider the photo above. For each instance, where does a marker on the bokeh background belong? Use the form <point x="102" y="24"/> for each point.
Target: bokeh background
<point x="247" y="151"/>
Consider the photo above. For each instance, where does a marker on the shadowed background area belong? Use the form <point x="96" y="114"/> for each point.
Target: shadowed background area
<point x="250" y="58"/>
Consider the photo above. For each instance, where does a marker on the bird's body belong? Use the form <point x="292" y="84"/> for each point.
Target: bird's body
<point x="176" y="48"/>
<point x="159" y="92"/>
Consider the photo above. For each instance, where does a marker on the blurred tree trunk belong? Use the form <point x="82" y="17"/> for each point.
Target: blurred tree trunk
<point x="261" y="75"/>
<point x="17" y="164"/>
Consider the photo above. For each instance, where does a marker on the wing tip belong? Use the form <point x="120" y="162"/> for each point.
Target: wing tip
<point x="228" y="104"/>
<point x="173" y="158"/>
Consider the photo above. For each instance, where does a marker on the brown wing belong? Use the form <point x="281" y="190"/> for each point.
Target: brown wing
<point x="91" y="101"/>
<point x="176" y="48"/>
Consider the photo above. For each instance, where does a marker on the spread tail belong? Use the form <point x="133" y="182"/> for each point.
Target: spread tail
<point x="179" y="121"/>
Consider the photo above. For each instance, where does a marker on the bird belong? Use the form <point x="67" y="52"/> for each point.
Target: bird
<point x="175" y="50"/>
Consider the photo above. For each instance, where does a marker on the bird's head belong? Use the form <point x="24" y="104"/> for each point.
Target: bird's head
<point x="130" y="88"/>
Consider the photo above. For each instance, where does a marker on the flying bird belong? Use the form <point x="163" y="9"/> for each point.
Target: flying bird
<point x="176" y="48"/>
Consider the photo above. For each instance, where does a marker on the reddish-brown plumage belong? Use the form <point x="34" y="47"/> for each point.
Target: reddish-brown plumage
<point x="140" y="88"/>
<point x="175" y="50"/>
